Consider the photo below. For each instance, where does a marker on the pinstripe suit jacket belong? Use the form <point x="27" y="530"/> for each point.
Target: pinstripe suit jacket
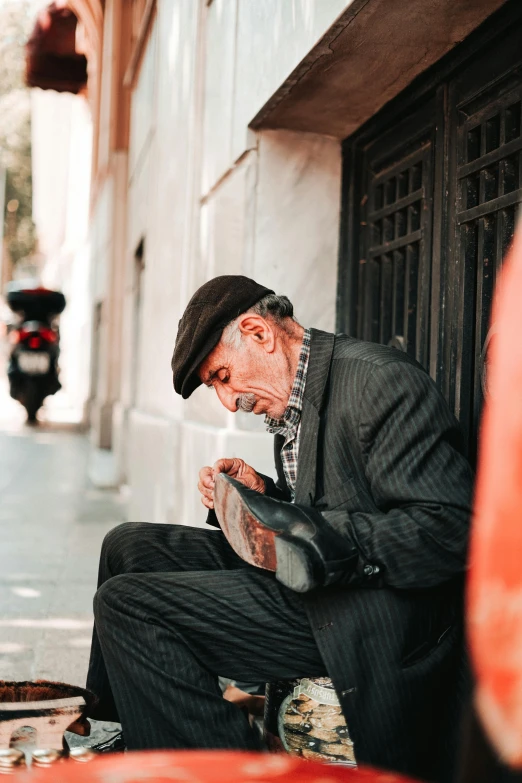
<point x="381" y="457"/>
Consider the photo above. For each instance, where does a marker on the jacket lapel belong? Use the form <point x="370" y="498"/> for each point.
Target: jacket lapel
<point x="321" y="351"/>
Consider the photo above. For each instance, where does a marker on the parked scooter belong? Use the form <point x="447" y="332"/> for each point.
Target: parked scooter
<point x="35" y="337"/>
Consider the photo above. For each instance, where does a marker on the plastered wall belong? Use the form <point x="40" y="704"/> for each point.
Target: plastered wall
<point x="208" y="196"/>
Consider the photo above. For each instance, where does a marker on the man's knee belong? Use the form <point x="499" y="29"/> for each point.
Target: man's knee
<point x="119" y="541"/>
<point x="108" y="597"/>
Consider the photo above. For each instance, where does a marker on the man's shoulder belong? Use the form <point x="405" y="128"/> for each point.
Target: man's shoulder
<point x="349" y="349"/>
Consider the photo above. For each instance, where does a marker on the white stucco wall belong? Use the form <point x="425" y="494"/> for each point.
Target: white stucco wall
<point x="162" y="206"/>
<point x="61" y="162"/>
<point x="210" y="197"/>
<point x="297" y="221"/>
<point x="272" y="39"/>
<point x="51" y="139"/>
<point x="251" y="49"/>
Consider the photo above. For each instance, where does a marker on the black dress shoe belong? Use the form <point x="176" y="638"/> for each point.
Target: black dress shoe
<point x="115" y="744"/>
<point x="294" y="541"/>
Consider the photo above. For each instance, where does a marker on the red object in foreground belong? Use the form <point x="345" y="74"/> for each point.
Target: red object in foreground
<point x="495" y="582"/>
<point x="200" y="766"/>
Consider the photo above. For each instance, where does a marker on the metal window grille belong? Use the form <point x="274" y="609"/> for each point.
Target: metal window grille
<point x="431" y="191"/>
<point x="398" y="222"/>
<point x="488" y="195"/>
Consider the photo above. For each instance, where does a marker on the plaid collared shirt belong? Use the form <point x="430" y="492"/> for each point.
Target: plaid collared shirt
<point x="290" y="424"/>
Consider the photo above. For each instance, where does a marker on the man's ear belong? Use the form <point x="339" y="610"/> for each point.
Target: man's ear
<point x="258" y="329"/>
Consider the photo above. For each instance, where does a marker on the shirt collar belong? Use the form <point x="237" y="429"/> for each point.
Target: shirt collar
<point x="292" y="414"/>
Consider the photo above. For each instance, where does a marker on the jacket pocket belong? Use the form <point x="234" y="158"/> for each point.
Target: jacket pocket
<point x="428" y="648"/>
<point x="335" y="497"/>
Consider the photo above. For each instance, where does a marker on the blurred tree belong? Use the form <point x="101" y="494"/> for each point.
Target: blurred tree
<point x="17" y="18"/>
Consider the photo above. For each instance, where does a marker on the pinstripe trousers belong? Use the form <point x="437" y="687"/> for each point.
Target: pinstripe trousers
<point x="175" y="609"/>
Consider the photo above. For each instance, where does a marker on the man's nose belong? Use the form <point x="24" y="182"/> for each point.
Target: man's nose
<point x="228" y="398"/>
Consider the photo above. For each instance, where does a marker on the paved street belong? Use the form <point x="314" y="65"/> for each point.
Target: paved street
<point x="52" y="522"/>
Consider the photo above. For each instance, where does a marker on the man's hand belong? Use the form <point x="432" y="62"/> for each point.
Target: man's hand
<point x="236" y="468"/>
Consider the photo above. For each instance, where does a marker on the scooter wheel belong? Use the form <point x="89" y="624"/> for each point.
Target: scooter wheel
<point x="32" y="405"/>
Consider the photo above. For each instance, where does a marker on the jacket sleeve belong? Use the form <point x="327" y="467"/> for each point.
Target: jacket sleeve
<point x="212" y="518"/>
<point x="275" y="490"/>
<point x="421" y="484"/>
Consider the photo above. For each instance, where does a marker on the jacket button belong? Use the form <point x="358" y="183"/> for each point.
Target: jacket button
<point x="368" y="570"/>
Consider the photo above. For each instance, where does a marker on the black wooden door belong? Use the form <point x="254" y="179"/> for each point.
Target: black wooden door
<point x="430" y="194"/>
<point x="485" y="186"/>
<point x="394" y="267"/>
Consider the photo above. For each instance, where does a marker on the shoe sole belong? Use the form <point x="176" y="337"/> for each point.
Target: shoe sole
<point x="259" y="546"/>
<point x="252" y="541"/>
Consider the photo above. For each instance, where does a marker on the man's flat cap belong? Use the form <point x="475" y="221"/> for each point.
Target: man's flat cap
<point x="212" y="307"/>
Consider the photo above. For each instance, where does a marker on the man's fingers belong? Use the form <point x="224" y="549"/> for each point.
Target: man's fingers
<point x="206" y="481"/>
<point x="226" y="465"/>
<point x="206" y="491"/>
<point x="232" y="466"/>
<point x="206" y="477"/>
<point x="206" y="486"/>
<point x="207" y="502"/>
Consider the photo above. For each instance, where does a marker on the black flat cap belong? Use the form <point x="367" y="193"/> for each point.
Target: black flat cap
<point x="212" y="307"/>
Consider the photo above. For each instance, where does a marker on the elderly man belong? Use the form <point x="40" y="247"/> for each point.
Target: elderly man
<point x="349" y="565"/>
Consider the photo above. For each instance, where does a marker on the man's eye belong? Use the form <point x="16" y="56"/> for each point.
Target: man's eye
<point x="223" y="378"/>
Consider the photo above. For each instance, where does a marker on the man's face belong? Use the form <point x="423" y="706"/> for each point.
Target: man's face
<point x="250" y="377"/>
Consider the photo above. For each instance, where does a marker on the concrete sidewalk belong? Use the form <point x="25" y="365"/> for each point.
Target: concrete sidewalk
<point x="52" y="523"/>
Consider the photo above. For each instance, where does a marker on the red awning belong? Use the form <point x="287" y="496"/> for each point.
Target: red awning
<point x="52" y="62"/>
